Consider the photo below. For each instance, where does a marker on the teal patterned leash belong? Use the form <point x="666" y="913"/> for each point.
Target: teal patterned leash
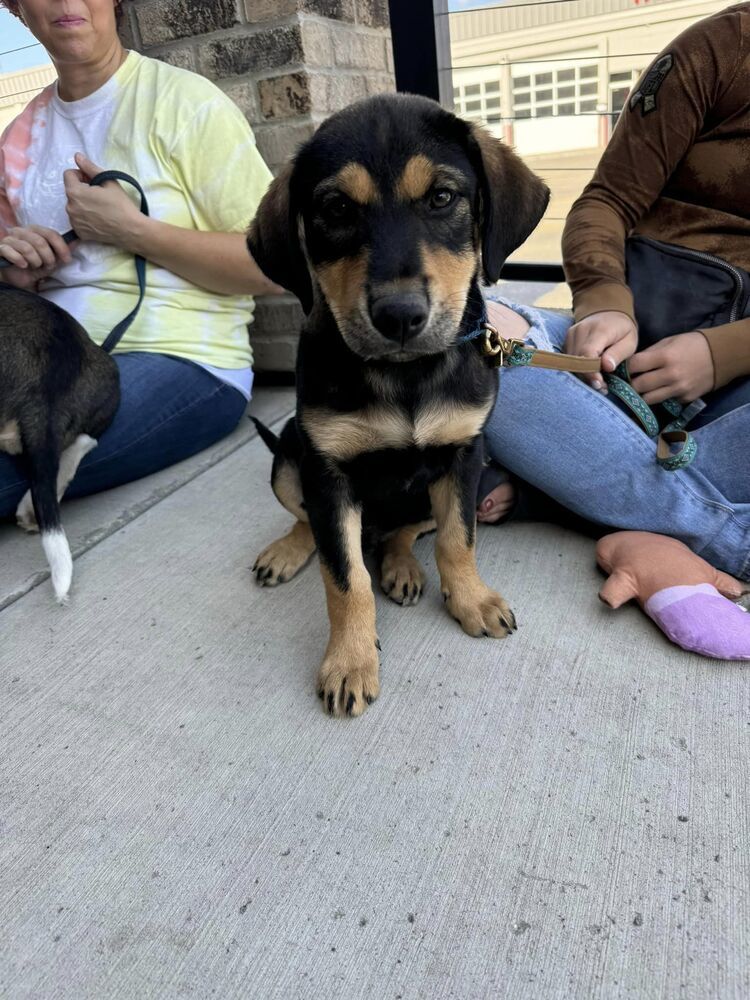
<point x="676" y="447"/>
<point x="673" y="434"/>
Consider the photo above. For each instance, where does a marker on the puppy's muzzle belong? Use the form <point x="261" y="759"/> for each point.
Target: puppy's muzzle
<point x="400" y="317"/>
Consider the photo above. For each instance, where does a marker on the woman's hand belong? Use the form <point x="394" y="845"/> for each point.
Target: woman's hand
<point x="609" y="335"/>
<point x="218" y="262"/>
<point x="35" y="253"/>
<point x="104" y="214"/>
<point x="676" y="368"/>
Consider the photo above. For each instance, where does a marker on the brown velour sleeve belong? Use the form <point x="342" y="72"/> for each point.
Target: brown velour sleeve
<point x="660" y="123"/>
<point x="730" y="350"/>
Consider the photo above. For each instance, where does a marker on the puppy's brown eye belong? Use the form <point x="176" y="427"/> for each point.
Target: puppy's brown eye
<point x="337" y="208"/>
<point x="441" y="198"/>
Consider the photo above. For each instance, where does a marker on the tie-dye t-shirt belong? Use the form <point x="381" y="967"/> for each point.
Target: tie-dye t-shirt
<point x="194" y="154"/>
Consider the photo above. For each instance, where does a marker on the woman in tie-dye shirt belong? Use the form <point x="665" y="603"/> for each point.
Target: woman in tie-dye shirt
<point x="185" y="363"/>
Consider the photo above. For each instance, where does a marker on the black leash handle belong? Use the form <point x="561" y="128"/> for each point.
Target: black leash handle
<point x="140" y="262"/>
<point x="115" y="335"/>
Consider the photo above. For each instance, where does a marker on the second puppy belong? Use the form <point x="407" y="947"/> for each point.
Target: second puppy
<point x="58" y="394"/>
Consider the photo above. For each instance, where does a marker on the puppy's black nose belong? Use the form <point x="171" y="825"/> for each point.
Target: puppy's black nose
<point x="400" y="317"/>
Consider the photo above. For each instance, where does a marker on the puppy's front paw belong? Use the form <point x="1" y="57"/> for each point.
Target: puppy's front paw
<point x="480" y="611"/>
<point x="25" y="516"/>
<point x="401" y="578"/>
<point x="348" y="678"/>
<point x="285" y="557"/>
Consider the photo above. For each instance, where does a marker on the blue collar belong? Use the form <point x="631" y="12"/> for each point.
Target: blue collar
<point x="478" y="330"/>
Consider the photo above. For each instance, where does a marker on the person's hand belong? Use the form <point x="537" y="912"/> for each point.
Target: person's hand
<point x="35" y="253"/>
<point x="104" y="214"/>
<point x="609" y="335"/>
<point x="676" y="368"/>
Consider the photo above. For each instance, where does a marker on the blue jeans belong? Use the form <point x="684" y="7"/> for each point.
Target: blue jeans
<point x="170" y="409"/>
<point x="552" y="430"/>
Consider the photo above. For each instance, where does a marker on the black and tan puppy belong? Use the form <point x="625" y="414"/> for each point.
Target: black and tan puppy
<point x="58" y="394"/>
<point x="382" y="227"/>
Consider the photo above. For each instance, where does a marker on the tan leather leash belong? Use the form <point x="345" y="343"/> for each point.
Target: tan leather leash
<point x="508" y="352"/>
<point x="676" y="447"/>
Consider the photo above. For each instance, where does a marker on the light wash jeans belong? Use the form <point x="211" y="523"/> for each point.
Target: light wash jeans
<point x="552" y="430"/>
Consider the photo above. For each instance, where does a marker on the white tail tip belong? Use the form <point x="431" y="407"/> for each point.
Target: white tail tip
<point x="60" y="561"/>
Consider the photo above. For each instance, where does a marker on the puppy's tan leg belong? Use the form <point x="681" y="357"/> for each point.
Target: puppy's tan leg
<point x="479" y="610"/>
<point x="401" y="576"/>
<point x="348" y="677"/>
<point x="284" y="558"/>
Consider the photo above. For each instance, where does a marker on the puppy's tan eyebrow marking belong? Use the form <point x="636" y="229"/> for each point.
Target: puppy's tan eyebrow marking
<point x="356" y="181"/>
<point x="417" y="178"/>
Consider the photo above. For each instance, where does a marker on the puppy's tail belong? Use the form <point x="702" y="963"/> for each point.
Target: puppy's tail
<point x="43" y="464"/>
<point x="268" y="437"/>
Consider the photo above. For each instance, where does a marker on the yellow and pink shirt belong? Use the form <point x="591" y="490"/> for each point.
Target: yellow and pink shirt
<point x="194" y="153"/>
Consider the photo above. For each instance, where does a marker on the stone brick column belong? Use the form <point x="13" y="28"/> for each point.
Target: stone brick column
<point x="288" y="64"/>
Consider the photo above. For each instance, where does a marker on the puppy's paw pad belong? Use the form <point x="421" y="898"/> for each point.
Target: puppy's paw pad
<point x="25" y="516"/>
<point x="402" y="578"/>
<point x="348" y="681"/>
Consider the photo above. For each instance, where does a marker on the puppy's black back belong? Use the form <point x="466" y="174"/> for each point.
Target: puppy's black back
<point x="50" y="370"/>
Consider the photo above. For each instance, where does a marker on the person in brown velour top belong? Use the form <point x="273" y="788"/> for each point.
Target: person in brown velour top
<point x="674" y="173"/>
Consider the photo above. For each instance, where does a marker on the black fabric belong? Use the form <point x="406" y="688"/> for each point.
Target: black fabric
<point x="676" y="290"/>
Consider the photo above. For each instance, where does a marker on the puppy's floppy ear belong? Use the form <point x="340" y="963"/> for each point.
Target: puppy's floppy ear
<point x="513" y="200"/>
<point x="274" y="240"/>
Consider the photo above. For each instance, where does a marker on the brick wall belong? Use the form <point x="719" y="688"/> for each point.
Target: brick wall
<point x="288" y="64"/>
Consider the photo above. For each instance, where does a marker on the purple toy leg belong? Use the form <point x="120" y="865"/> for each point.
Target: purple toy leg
<point x="699" y="619"/>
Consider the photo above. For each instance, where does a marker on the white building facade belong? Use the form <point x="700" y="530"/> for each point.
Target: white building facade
<point x="18" y="88"/>
<point x="553" y="77"/>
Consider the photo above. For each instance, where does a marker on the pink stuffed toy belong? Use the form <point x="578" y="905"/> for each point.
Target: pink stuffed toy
<point x="690" y="601"/>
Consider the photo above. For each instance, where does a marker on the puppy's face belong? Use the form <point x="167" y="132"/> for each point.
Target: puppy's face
<point x="393" y="245"/>
<point x="388" y="213"/>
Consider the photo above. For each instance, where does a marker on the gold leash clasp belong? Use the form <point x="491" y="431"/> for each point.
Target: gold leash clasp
<point x="493" y="342"/>
<point x="496" y="346"/>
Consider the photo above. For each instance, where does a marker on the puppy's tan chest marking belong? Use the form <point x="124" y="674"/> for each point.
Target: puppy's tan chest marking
<point x="449" y="423"/>
<point x="10" y="438"/>
<point x="343" y="436"/>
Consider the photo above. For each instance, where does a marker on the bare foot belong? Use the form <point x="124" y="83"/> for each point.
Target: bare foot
<point x="497" y="504"/>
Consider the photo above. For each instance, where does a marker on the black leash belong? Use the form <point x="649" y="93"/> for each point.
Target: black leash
<point x="117" y="332"/>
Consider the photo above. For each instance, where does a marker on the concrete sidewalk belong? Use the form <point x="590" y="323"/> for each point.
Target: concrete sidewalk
<point x="559" y="815"/>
